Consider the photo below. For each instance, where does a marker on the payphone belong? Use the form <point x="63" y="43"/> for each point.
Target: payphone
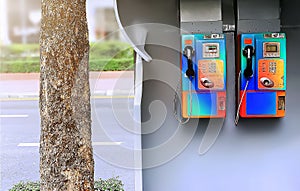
<point x="262" y="75"/>
<point x="203" y="71"/>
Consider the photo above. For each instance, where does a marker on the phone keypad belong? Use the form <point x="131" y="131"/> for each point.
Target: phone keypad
<point x="212" y="70"/>
<point x="272" y="67"/>
<point x="273" y="70"/>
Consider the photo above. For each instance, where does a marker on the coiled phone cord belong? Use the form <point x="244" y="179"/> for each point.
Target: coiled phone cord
<point x="180" y="120"/>
<point x="190" y="73"/>
<point x="237" y="117"/>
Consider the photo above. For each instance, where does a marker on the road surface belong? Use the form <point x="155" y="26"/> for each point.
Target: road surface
<point x="20" y="131"/>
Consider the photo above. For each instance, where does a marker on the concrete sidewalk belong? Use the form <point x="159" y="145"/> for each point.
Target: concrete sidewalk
<point x="26" y="85"/>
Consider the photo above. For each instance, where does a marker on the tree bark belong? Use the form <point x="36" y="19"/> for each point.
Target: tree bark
<point x="66" y="156"/>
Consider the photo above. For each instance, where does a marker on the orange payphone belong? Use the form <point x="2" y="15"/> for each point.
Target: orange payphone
<point x="262" y="75"/>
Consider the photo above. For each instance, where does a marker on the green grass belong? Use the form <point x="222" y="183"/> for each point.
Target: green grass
<point x="104" y="56"/>
<point x="111" y="184"/>
<point x="20" y="66"/>
<point x="19" y="49"/>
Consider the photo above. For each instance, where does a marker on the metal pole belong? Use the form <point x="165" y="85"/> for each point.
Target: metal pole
<point x="23" y="21"/>
<point x="4" y="23"/>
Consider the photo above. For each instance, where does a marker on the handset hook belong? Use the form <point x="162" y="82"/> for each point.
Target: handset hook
<point x="248" y="52"/>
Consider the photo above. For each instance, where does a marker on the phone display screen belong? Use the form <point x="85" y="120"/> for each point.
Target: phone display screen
<point x="271" y="48"/>
<point x="211" y="49"/>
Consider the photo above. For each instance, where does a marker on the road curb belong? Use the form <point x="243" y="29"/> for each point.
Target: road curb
<point x="35" y="95"/>
<point x="18" y="95"/>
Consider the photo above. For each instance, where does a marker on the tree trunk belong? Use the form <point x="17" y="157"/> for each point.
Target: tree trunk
<point x="66" y="156"/>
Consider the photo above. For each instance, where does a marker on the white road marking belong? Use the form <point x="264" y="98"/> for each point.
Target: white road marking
<point x="93" y="97"/>
<point x="29" y="145"/>
<point x="106" y="143"/>
<point x="94" y="144"/>
<point x="13" y="116"/>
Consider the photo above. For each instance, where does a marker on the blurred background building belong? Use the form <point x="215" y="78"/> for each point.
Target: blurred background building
<point x="20" y="21"/>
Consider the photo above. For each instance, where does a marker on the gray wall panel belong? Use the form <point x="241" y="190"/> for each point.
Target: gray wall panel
<point x="228" y="12"/>
<point x="256" y="26"/>
<point x="154" y="11"/>
<point x="202" y="27"/>
<point x="258" y="9"/>
<point x="258" y="16"/>
<point x="201" y="16"/>
<point x="200" y="10"/>
<point x="259" y="154"/>
<point x="290" y="13"/>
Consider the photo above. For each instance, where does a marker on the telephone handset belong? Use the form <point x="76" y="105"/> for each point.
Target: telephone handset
<point x="249" y="52"/>
<point x="188" y="53"/>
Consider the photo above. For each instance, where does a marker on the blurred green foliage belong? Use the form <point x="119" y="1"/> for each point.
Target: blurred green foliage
<point x="104" y="56"/>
